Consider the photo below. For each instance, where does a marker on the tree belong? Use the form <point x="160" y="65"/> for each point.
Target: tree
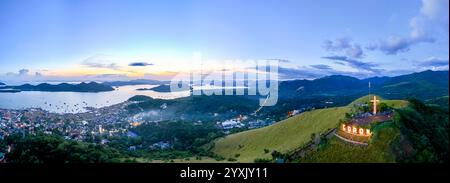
<point x="427" y="128"/>
<point x="384" y="107"/>
<point x="54" y="149"/>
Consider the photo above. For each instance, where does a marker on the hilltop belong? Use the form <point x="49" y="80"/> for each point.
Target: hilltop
<point x="287" y="135"/>
<point x="418" y="134"/>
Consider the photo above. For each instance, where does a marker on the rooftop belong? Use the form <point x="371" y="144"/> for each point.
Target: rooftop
<point x="368" y="119"/>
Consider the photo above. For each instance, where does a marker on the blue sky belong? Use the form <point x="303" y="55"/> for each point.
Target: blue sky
<point x="53" y="39"/>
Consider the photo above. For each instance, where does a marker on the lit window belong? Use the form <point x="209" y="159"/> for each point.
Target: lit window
<point x="361" y="131"/>
<point x="343" y="127"/>
<point x="368" y="131"/>
<point x="355" y="130"/>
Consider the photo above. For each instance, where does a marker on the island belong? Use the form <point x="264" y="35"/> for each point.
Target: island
<point x="5" y="89"/>
<point x="8" y="90"/>
<point x="63" y="87"/>
<point x="161" y="88"/>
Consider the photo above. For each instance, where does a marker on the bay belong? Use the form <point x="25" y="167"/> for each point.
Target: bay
<point x="76" y="102"/>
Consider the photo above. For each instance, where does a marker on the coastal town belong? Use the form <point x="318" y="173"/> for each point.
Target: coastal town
<point x="110" y="121"/>
<point x="97" y="123"/>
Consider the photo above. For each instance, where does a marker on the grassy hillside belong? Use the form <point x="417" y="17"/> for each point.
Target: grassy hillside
<point x="391" y="103"/>
<point x="378" y="151"/>
<point x="285" y="135"/>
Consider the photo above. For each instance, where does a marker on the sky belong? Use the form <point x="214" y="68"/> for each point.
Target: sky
<point x="156" y="39"/>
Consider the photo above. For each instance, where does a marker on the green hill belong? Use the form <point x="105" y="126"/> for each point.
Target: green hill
<point x="286" y="135"/>
<point x="283" y="136"/>
<point x="418" y="134"/>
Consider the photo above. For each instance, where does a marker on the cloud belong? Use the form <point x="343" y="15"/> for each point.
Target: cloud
<point x="108" y="76"/>
<point x="355" y="51"/>
<point x="398" y="72"/>
<point x="321" y="67"/>
<point x="279" y="60"/>
<point x="435" y="62"/>
<point x="22" y="75"/>
<point x="338" y="44"/>
<point x="312" y="73"/>
<point x="165" y="75"/>
<point x="23" y="72"/>
<point x="434" y="8"/>
<point x="139" y="64"/>
<point x="321" y="70"/>
<point x="297" y="73"/>
<point x="105" y="77"/>
<point x="424" y="27"/>
<point x="372" y="47"/>
<point x="432" y="21"/>
<point x="100" y="65"/>
<point x="11" y="74"/>
<point x="361" y="66"/>
<point x="285" y="73"/>
<point x="395" y="44"/>
<point x="344" y="45"/>
<point x="101" y="61"/>
<point x="421" y="30"/>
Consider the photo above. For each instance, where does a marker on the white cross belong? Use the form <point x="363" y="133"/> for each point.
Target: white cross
<point x="374" y="101"/>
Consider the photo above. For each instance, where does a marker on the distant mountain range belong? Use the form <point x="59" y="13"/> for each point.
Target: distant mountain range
<point x="422" y="85"/>
<point x="63" y="87"/>
<point x="136" y="82"/>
